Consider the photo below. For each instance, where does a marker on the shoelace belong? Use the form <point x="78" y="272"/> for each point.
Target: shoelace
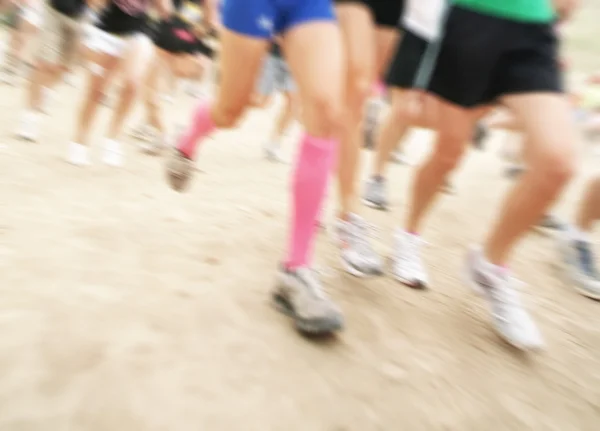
<point x="307" y="276"/>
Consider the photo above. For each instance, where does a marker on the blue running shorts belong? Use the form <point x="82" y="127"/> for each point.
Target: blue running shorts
<point x="265" y="18"/>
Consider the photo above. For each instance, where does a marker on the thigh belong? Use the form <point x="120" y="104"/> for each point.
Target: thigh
<point x="386" y="41"/>
<point x="315" y="56"/>
<point x="136" y="55"/>
<point x="358" y="30"/>
<point x="49" y="43"/>
<point x="71" y="37"/>
<point x="241" y="58"/>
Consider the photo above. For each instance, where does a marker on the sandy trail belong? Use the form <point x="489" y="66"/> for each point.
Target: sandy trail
<point x="128" y="307"/>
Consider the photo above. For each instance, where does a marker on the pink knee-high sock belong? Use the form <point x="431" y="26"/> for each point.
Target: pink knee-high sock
<point x="202" y="125"/>
<point x="313" y="168"/>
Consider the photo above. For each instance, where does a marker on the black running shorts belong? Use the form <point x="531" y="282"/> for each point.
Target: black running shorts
<point x="479" y="59"/>
<point x="407" y="61"/>
<point x="386" y="13"/>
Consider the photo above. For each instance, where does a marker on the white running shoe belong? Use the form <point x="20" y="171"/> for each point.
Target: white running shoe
<point x="48" y="97"/>
<point x="273" y="153"/>
<point x="407" y="266"/>
<point x="358" y="256"/>
<point x="113" y="153"/>
<point x="509" y="317"/>
<point x="78" y="154"/>
<point x="28" y="126"/>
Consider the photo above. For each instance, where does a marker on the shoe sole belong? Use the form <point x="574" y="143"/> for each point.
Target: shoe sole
<point x="374" y="205"/>
<point x="323" y="327"/>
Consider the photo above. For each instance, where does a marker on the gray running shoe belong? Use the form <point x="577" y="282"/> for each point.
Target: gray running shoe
<point x="578" y="265"/>
<point x="449" y="188"/>
<point x="358" y="256"/>
<point x="375" y="195"/>
<point x="549" y="224"/>
<point x="510" y="319"/>
<point x="299" y="294"/>
<point x="179" y="169"/>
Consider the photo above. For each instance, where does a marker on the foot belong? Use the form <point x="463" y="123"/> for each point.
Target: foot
<point x="273" y="154"/>
<point x="28" y="126"/>
<point x="578" y="265"/>
<point x="78" y="154"/>
<point x="399" y="158"/>
<point x="358" y="256"/>
<point x="449" y="188"/>
<point x="113" y="153"/>
<point x="155" y="146"/>
<point x="514" y="170"/>
<point x="549" y="224"/>
<point x="180" y="169"/>
<point x="48" y="97"/>
<point x="299" y="294"/>
<point x="510" y="319"/>
<point x="480" y="137"/>
<point x="8" y="77"/>
<point x="375" y="195"/>
<point x="407" y="266"/>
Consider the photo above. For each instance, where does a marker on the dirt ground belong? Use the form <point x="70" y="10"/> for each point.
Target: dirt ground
<point x="126" y="307"/>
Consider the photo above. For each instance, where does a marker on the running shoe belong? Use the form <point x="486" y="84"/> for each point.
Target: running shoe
<point x="78" y="154"/>
<point x="113" y="153"/>
<point x="509" y="317"/>
<point x="479" y="137"/>
<point x="300" y="295"/>
<point x="514" y="170"/>
<point x="273" y="153"/>
<point x="180" y="169"/>
<point x="407" y="266"/>
<point x="579" y="266"/>
<point x="375" y="195"/>
<point x="358" y="256"/>
<point x="399" y="158"/>
<point x="449" y="188"/>
<point x="28" y="126"/>
<point x="155" y="146"/>
<point x="549" y="224"/>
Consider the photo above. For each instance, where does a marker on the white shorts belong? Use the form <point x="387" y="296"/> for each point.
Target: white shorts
<point x="100" y="41"/>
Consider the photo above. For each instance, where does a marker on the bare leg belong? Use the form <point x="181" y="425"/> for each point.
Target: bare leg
<point x="550" y="158"/>
<point x="589" y="208"/>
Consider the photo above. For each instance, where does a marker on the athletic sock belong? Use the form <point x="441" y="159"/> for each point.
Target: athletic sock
<point x="313" y="168"/>
<point x="202" y="125"/>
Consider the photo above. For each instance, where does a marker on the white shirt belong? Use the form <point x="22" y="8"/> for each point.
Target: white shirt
<point x="424" y="17"/>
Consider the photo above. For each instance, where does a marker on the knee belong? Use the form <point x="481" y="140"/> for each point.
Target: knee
<point x="448" y="152"/>
<point x="359" y="89"/>
<point x="130" y="87"/>
<point x="555" y="167"/>
<point x="326" y="113"/>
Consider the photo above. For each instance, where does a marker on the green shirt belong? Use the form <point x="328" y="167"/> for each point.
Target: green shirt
<point x="533" y="11"/>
